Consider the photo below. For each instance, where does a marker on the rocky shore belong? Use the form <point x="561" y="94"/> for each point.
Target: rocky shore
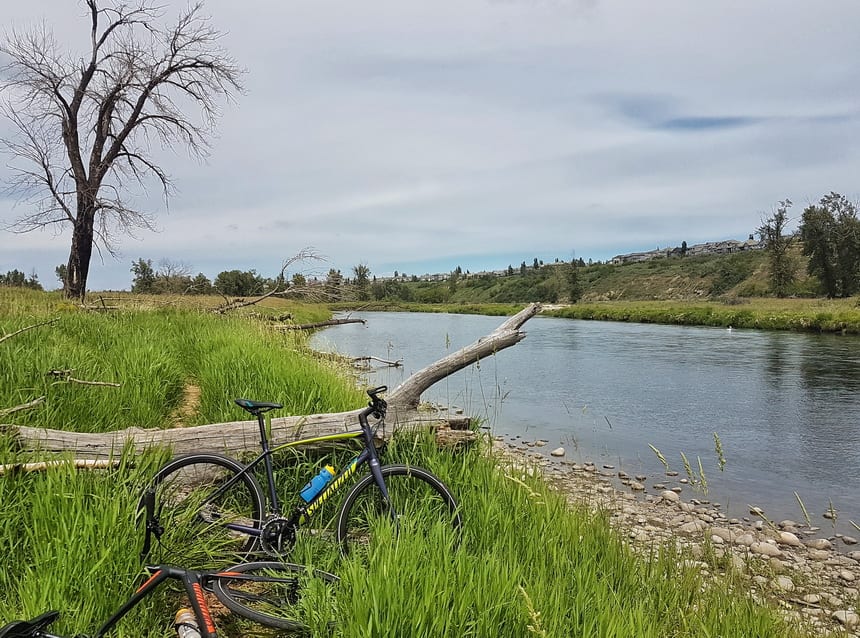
<point x="812" y="577"/>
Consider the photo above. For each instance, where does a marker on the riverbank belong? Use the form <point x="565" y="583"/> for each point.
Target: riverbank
<point x="812" y="576"/>
<point x="841" y="316"/>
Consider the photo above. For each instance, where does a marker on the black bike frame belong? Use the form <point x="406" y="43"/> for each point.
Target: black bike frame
<point x="302" y="512"/>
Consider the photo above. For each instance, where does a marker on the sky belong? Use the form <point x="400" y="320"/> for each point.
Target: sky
<point x="421" y="136"/>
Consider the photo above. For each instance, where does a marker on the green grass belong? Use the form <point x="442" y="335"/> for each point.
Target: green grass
<point x="155" y="357"/>
<point x="807" y="315"/>
<point x="527" y="564"/>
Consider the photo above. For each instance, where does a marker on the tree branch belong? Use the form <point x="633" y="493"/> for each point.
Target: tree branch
<point x="25" y="329"/>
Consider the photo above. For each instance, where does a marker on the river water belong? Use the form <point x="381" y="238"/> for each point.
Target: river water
<point x="784" y="406"/>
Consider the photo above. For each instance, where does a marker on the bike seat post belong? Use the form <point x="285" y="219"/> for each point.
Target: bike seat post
<point x="264" y="440"/>
<point x="267" y="464"/>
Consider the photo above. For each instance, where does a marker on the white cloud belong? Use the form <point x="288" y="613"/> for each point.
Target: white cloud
<point x="414" y="136"/>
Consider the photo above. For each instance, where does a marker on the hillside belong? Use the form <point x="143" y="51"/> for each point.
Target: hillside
<point x="677" y="278"/>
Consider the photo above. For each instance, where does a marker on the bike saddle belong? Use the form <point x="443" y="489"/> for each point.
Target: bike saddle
<point x="256" y="407"/>
<point x="29" y="628"/>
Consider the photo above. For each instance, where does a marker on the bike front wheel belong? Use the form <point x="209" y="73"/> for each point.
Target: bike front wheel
<point x="208" y="509"/>
<point x="419" y="504"/>
<point x="281" y="595"/>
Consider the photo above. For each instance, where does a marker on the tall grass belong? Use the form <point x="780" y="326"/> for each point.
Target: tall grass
<point x="68" y="542"/>
<point x="155" y="357"/>
<point x="529" y="565"/>
<point x="526" y="565"/>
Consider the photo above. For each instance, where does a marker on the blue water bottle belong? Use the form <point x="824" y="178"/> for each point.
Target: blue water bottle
<point x="316" y="484"/>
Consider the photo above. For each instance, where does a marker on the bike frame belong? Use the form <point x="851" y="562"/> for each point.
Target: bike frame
<point x="194" y="587"/>
<point x="303" y="512"/>
<point x="195" y="583"/>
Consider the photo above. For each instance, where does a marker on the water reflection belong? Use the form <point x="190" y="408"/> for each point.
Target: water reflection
<point x="784" y="405"/>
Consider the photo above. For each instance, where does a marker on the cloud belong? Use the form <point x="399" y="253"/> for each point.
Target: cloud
<point x="424" y="136"/>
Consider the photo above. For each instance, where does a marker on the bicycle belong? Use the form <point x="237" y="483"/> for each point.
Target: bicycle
<point x="266" y="592"/>
<point x="222" y="501"/>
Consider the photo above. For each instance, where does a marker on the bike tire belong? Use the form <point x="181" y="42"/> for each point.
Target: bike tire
<point x="420" y="499"/>
<point x="193" y="524"/>
<point x="275" y="594"/>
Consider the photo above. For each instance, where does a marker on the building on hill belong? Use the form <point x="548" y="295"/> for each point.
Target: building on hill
<point x="708" y="248"/>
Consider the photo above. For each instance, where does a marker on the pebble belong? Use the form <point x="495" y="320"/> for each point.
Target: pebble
<point x="818" y="554"/>
<point x="819" y="543"/>
<point x="671" y="496"/>
<point x="745" y="539"/>
<point x="783" y="583"/>
<point x="787" y="538"/>
<point x="765" y="549"/>
<point x="559" y="451"/>
<point x="846" y="618"/>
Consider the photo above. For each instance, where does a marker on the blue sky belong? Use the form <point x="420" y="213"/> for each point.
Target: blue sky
<point x="420" y="137"/>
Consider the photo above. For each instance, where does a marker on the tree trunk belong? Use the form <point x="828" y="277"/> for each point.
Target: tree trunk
<point x="239" y="436"/>
<point x="80" y="254"/>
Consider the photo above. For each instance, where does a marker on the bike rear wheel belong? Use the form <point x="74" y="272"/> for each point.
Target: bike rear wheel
<point x="419" y="504"/>
<point x="275" y="594"/>
<point x="197" y="498"/>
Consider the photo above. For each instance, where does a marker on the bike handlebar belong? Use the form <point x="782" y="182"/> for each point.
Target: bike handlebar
<point x="377" y="405"/>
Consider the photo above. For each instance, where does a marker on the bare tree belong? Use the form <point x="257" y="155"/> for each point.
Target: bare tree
<point x="85" y="127"/>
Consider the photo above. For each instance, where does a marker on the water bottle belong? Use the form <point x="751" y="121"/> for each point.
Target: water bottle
<point x="316" y="484"/>
<point x="186" y="624"/>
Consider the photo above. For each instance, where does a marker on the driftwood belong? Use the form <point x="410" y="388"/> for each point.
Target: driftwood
<point x="238" y="436"/>
<point x="65" y="376"/>
<point x="316" y="324"/>
<point x="385" y="362"/>
<point x="24" y="406"/>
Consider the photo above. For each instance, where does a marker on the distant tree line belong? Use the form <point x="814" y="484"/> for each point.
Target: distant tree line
<point x="20" y="280"/>
<point x="175" y="278"/>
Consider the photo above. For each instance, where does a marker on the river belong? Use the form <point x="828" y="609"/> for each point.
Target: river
<point x="784" y="405"/>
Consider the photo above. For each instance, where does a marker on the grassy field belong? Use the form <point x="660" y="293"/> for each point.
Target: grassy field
<point x="527" y="564"/>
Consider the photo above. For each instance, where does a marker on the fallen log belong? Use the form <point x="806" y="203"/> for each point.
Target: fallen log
<point x="239" y="436"/>
<point x="316" y="324"/>
<point x="357" y="361"/>
<point x="41" y="466"/>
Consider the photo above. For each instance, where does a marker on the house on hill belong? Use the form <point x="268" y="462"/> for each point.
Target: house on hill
<point x="708" y="248"/>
